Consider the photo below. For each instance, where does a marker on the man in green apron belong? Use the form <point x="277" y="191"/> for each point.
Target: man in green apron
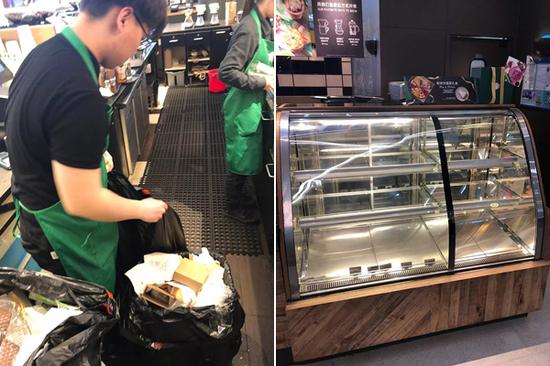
<point x="57" y="128"/>
<point x="243" y="105"/>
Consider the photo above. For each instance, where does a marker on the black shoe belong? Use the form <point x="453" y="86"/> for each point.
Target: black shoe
<point x="244" y="215"/>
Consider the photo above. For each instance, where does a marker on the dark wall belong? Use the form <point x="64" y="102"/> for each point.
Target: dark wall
<point x="416" y="36"/>
<point x="534" y="22"/>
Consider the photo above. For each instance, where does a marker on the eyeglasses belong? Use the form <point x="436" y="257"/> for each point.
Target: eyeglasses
<point x="147" y="35"/>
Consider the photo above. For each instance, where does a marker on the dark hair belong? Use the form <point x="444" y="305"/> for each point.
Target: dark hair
<point x="249" y="5"/>
<point x="151" y="12"/>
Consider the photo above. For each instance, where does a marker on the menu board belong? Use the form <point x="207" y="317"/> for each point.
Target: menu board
<point x="438" y="90"/>
<point x="338" y="28"/>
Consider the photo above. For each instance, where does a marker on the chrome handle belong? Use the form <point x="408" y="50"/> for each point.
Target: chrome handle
<point x="173" y="41"/>
<point x="480" y="38"/>
<point x="198" y="39"/>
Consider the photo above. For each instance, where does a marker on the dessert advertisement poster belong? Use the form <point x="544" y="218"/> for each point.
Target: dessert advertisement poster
<point x="439" y="90"/>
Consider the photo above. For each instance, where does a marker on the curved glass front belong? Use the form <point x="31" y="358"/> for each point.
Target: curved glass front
<point x="369" y="203"/>
<point x="493" y="201"/>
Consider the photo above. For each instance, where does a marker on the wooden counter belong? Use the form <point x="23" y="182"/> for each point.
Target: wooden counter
<point x="350" y="320"/>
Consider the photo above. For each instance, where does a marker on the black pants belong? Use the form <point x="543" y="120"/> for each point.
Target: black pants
<point x="239" y="192"/>
<point x="34" y="241"/>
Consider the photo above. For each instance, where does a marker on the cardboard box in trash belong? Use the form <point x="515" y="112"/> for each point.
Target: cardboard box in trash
<point x="193" y="274"/>
<point x="163" y="295"/>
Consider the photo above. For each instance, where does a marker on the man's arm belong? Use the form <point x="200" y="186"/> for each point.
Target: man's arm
<point x="82" y="195"/>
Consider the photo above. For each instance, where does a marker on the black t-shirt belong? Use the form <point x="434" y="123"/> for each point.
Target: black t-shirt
<point x="54" y="112"/>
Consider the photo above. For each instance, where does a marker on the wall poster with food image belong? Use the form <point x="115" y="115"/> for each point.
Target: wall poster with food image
<point x="439" y="90"/>
<point x="294" y="35"/>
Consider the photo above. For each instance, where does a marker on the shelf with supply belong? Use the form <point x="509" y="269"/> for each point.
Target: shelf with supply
<point x="189" y="53"/>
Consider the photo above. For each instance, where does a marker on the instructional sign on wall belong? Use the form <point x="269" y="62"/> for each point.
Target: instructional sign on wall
<point x="338" y="28"/>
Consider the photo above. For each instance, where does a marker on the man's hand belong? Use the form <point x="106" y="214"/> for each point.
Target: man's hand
<point x="151" y="210"/>
<point x="108" y="161"/>
<point x="82" y="195"/>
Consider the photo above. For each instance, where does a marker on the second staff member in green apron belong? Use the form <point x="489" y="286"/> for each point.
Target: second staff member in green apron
<point x="58" y="130"/>
<point x="242" y="108"/>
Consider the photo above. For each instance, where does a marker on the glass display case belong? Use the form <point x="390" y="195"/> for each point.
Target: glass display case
<point x="377" y="195"/>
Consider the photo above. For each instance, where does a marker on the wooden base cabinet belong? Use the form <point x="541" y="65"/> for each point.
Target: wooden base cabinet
<point x="358" y="319"/>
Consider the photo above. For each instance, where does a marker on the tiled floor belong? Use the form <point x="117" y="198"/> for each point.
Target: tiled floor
<point x="530" y="356"/>
<point x="256" y="292"/>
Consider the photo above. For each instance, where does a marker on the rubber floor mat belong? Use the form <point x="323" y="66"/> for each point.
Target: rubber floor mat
<point x="187" y="170"/>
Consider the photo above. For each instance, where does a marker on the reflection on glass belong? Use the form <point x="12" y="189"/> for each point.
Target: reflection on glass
<point x="369" y="200"/>
<point x="505" y="228"/>
<point x="378" y="168"/>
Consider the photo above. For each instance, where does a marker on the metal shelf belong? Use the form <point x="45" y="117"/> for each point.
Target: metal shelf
<point x="195" y="61"/>
<point x="173" y="69"/>
<point x="393" y="170"/>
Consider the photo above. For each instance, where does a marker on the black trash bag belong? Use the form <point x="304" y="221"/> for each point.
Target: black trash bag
<point x="136" y="237"/>
<point x="166" y="235"/>
<point x="151" y="335"/>
<point x="78" y="340"/>
<point x="119" y="184"/>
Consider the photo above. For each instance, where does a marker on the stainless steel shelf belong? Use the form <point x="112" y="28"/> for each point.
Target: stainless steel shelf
<point x="370" y="215"/>
<point x="371" y="248"/>
<point x="393" y="170"/>
<point x="360" y="171"/>
<point x="408" y="211"/>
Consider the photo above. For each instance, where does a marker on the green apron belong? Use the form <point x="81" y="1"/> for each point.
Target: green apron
<point x="242" y="113"/>
<point x="87" y="249"/>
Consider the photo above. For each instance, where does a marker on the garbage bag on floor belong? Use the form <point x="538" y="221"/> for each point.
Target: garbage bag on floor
<point x="186" y="336"/>
<point x="78" y="340"/>
<point x="137" y="238"/>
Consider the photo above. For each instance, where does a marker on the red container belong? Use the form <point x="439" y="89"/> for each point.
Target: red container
<point x="214" y="84"/>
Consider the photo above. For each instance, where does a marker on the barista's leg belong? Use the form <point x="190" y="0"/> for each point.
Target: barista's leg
<point x="35" y="243"/>
<point x="241" y="204"/>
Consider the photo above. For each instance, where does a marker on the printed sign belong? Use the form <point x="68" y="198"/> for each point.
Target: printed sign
<point x="536" y="84"/>
<point x="338" y="28"/>
<point x="437" y="90"/>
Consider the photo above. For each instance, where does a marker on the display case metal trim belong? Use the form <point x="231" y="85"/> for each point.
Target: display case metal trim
<point x="535" y="182"/>
<point x="448" y="194"/>
<point x="406" y="276"/>
<point x="286" y="205"/>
